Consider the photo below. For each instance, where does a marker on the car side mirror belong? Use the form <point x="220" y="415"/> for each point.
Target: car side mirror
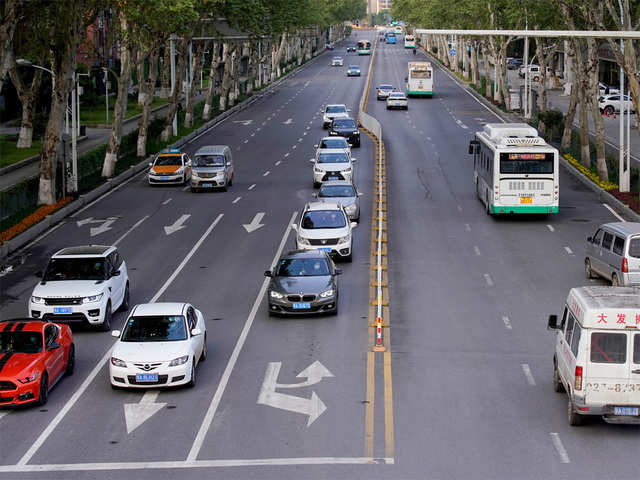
<point x="359" y="194"/>
<point x="195" y="332"/>
<point x="151" y="164"/>
<point x="353" y="159"/>
<point x="354" y="224"/>
<point x="228" y="164"/>
<point x="315" y="145"/>
<point x="312" y="160"/>
<point x="267" y="273"/>
<point x="294" y="226"/>
<point x="188" y="164"/>
<point x="553" y="322"/>
<point x="53" y="346"/>
<point x="338" y="271"/>
<point x="115" y="333"/>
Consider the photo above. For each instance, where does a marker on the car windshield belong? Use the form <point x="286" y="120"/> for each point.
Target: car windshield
<point x="396" y="95"/>
<point x="337" y="58"/>
<point x="166" y="160"/>
<point x="385" y="87"/>
<point x="337" y="191"/>
<point x="209" y="161"/>
<point x="334" y="143"/>
<point x="20" y="342"/>
<point x="75" y="269"/>
<point x="157" y="328"/>
<point x="344" y="123"/>
<point x="333" y="158"/>
<point x="302" y="267"/>
<point x="323" y="219"/>
<point x="336" y="109"/>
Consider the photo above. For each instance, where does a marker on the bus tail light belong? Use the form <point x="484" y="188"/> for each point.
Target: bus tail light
<point x="625" y="266"/>
<point x="577" y="384"/>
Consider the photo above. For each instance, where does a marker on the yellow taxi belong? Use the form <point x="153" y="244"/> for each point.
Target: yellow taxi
<point x="170" y="166"/>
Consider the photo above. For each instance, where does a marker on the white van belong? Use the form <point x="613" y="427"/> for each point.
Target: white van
<point x="597" y="354"/>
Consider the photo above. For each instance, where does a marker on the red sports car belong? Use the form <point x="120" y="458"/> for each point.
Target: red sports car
<point x="34" y="355"/>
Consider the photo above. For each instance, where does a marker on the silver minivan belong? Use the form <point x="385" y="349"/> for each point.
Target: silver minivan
<point x="212" y="167"/>
<point x="613" y="252"/>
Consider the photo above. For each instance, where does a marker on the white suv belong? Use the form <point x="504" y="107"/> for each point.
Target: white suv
<point x="334" y="111"/>
<point x="84" y="284"/>
<point x="326" y="227"/>
<point x="332" y="164"/>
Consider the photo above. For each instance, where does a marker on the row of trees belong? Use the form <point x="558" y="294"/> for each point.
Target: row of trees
<point x="52" y="33"/>
<point x="583" y="54"/>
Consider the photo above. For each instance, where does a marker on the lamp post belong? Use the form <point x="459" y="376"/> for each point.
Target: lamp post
<point x="624" y="151"/>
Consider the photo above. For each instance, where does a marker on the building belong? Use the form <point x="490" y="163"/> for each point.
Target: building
<point x="372" y="7"/>
<point x="384" y="5"/>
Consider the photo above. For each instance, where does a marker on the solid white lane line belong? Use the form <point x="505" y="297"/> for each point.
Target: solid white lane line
<point x="136" y="225"/>
<point x="568" y="250"/>
<point x="467" y="227"/>
<point x="266" y="173"/>
<point x="217" y="397"/>
<point x="550" y="227"/>
<point x="507" y="323"/>
<point x="278" y="162"/>
<point x="100" y="365"/>
<point x="252" y="186"/>
<point x="477" y="250"/>
<point x="167" y="201"/>
<point x="564" y="456"/>
<point x="236" y="200"/>
<point x="488" y="279"/>
<point x="615" y="214"/>
<point x="527" y="373"/>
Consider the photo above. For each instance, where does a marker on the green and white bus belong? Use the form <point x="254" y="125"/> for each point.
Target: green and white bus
<point x="515" y="171"/>
<point x="420" y="79"/>
<point x="409" y="41"/>
<point x="364" y="47"/>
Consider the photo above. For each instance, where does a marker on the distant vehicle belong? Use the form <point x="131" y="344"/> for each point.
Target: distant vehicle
<point x="351" y="48"/>
<point x="170" y="166"/>
<point x="353" y="71"/>
<point x="613" y="253"/>
<point x="607" y="89"/>
<point x="212" y="167"/>
<point x="513" y="63"/>
<point x="333" y="142"/>
<point x="534" y="72"/>
<point x="515" y="171"/>
<point x="332" y="164"/>
<point x="344" y="193"/>
<point x="390" y="38"/>
<point x="34" y="355"/>
<point x="82" y="285"/>
<point x="409" y="41"/>
<point x="332" y="111"/>
<point x="347" y="128"/>
<point x="161" y="344"/>
<point x="383" y="90"/>
<point x="303" y="282"/>
<point x="364" y="47"/>
<point x="397" y="100"/>
<point x="329" y="46"/>
<point x="419" y="79"/>
<point x="611" y="104"/>
<point x="337" y="62"/>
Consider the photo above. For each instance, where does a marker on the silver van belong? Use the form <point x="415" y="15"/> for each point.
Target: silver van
<point x="613" y="252"/>
<point x="212" y="167"/>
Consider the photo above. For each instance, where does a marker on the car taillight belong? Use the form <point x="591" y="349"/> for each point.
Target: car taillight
<point x="625" y="266"/>
<point x="577" y="384"/>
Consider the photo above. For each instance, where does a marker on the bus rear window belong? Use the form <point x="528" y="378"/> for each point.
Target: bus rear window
<point x="420" y="73"/>
<point x="526" y="163"/>
<point x="608" y="347"/>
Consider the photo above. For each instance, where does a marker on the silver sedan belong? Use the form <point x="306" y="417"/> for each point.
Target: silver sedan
<point x="341" y="192"/>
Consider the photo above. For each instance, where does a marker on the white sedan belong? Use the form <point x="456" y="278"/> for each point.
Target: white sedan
<point x="161" y="345"/>
<point x="610" y="104"/>
<point x="337" y="62"/>
<point x="397" y="100"/>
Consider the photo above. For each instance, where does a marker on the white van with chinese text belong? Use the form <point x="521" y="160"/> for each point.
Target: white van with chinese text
<point x="597" y="354"/>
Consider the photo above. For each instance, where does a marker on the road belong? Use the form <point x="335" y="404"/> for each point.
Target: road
<point x="472" y="394"/>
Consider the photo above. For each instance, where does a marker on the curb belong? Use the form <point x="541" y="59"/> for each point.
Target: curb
<point x="11" y="246"/>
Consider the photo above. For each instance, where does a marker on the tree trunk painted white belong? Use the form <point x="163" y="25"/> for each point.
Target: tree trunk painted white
<point x="213" y="68"/>
<point x="234" y="90"/>
<point x="148" y="85"/>
<point x="585" y="155"/>
<point x="224" y="85"/>
<point x="598" y="122"/>
<point x="280" y="52"/>
<point x="197" y="67"/>
<point x="475" y="73"/>
<point x="181" y="52"/>
<point x="140" y="76"/>
<point x="165" y="83"/>
<point x="569" y="119"/>
<point x="27" y="98"/>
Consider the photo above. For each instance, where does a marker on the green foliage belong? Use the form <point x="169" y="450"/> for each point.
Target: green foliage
<point x="9" y="154"/>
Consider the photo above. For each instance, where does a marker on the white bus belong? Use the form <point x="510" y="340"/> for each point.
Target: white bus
<point x="364" y="47"/>
<point x="409" y="41"/>
<point x="420" y="79"/>
<point x="515" y="171"/>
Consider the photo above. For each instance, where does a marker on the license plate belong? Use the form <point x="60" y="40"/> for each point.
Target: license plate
<point x="62" y="310"/>
<point x="333" y="177"/>
<point x="146" y="377"/>
<point x="632" y="411"/>
<point x="325" y="249"/>
<point x="207" y="185"/>
<point x="301" y="306"/>
<point x="526" y="199"/>
<point x="419" y="87"/>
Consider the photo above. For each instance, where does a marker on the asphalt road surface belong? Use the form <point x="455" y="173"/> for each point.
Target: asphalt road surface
<point x="472" y="361"/>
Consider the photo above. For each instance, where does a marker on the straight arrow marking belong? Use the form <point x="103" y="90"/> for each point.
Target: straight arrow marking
<point x="289" y="121"/>
<point x="135" y="414"/>
<point x="177" y="225"/>
<point x="255" y="223"/>
<point x="105" y="227"/>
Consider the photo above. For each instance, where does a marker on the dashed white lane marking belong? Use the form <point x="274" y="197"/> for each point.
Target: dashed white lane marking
<point x="459" y="208"/>
<point x="568" y="250"/>
<point x="615" y="214"/>
<point x="467" y="227"/>
<point x="461" y="124"/>
<point x="278" y="162"/>
<point x="528" y="375"/>
<point x="429" y="138"/>
<point x="303" y="134"/>
<point x="564" y="456"/>
<point x="258" y="129"/>
<point x="488" y="279"/>
<point x="507" y="323"/>
<point x="292" y="148"/>
<point x="264" y="123"/>
<point x="308" y="128"/>
<point x="266" y="173"/>
<point x="236" y="200"/>
<point x="300" y="139"/>
<point x="246" y="141"/>
<point x="477" y="250"/>
<point x="550" y="227"/>
<point x="253" y="134"/>
<point x="167" y="201"/>
<point x="286" y="155"/>
<point x="251" y="187"/>
<point x="186" y="188"/>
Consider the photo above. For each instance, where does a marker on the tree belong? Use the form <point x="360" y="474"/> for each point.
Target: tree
<point x="11" y="15"/>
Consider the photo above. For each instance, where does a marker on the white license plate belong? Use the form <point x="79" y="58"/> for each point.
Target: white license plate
<point x="62" y="310"/>
<point x="146" y="377"/>
<point x="631" y="411"/>
<point x="301" y="306"/>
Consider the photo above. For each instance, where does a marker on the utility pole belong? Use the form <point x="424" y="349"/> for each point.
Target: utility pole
<point x="624" y="151"/>
<point x="173" y="81"/>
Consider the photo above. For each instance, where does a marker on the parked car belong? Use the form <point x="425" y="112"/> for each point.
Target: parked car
<point x="610" y="104"/>
<point x="613" y="253"/>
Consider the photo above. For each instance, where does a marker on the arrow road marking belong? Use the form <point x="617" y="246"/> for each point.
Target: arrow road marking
<point x="105" y="227"/>
<point x="314" y="373"/>
<point x="135" y="414"/>
<point x="177" y="225"/>
<point x="244" y="122"/>
<point x="313" y="407"/>
<point x="88" y="220"/>
<point x="288" y="121"/>
<point x="255" y="223"/>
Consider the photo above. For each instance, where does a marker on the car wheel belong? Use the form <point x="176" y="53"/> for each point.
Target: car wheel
<point x="574" y="418"/>
<point x="106" y="324"/>
<point x="587" y="269"/>
<point x="43" y="394"/>
<point x="71" y="361"/>
<point x="203" y="355"/>
<point x="614" y="281"/>
<point x="316" y="184"/>
<point x="557" y="383"/>
<point x="608" y="110"/>
<point x="192" y="381"/>
<point x="124" y="306"/>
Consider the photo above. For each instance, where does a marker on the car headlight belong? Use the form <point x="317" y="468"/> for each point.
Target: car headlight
<point x="317" y="170"/>
<point x="29" y="378"/>
<point x="116" y="362"/>
<point x="328" y="293"/>
<point x="333" y="133"/>
<point x="345" y="239"/>
<point x="180" y="170"/>
<point x="274" y="294"/>
<point x="92" y="298"/>
<point x="179" y="361"/>
<point x="39" y="300"/>
<point x="350" y="208"/>
<point x="219" y="174"/>
<point x="356" y="132"/>
<point x="303" y="241"/>
<point x="151" y="172"/>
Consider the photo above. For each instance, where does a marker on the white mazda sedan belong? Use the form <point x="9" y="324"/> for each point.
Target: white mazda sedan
<point x="161" y="345"/>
